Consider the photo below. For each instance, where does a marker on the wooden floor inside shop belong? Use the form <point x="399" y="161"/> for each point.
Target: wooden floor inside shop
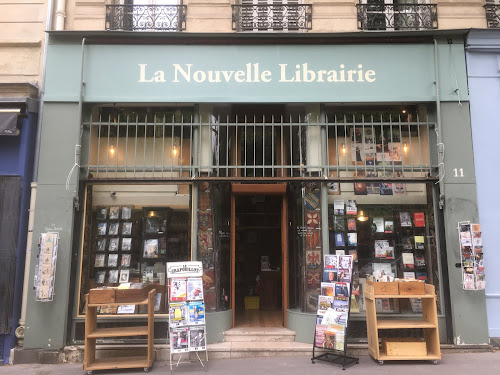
<point x="259" y="318"/>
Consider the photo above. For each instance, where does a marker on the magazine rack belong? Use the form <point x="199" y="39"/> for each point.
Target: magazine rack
<point x="187" y="327"/>
<point x="334" y="355"/>
<point x="404" y="349"/>
<point x="145" y="361"/>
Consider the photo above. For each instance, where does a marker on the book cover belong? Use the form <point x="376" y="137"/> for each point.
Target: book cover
<point x="378" y="224"/>
<point x="113" y="260"/>
<point x="114" y="213"/>
<point x="408" y="261"/>
<point x="405" y="219"/>
<point x="351" y="224"/>
<point x="380" y="248"/>
<point x="324" y="303"/>
<point x="420" y="261"/>
<point x="339" y="239"/>
<point x="178" y="289"/>
<point x="125" y="262"/>
<point x="352" y="239"/>
<point x="124" y="276"/>
<point x="319" y="336"/>
<point x="100" y="260"/>
<point x="389" y="226"/>
<point x="351" y="207"/>
<point x="360" y="188"/>
<point x="113" y="244"/>
<point x="421" y="276"/>
<point x="341" y="289"/>
<point x="338" y="207"/>
<point x="327" y="289"/>
<point x="197" y="339"/>
<point x="419" y="219"/>
<point x="331" y="261"/>
<point x="409" y="275"/>
<point x="419" y="242"/>
<point x="179" y="340"/>
<point x="195" y="289"/>
<point x="177" y="313"/>
<point x="345" y="261"/>
<point x="330" y="275"/>
<point x="196" y="312"/>
<point x="389" y="252"/>
<point x="354" y="254"/>
<point x="151" y="248"/>
<point x="338" y="223"/>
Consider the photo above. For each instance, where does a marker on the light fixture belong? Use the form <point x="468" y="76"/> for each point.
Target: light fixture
<point x="343" y="148"/>
<point x="403" y="111"/>
<point x="362" y="217"/>
<point x="174" y="151"/>
<point x="151" y="213"/>
<point x="112" y="150"/>
<point x="405" y="148"/>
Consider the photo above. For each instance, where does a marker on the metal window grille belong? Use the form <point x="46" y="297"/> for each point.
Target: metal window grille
<point x="493" y="15"/>
<point x="397" y="16"/>
<point x="343" y="147"/>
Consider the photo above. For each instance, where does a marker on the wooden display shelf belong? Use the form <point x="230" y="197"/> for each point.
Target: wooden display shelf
<point x="119" y="363"/>
<point x="144" y="302"/>
<point x="91" y="363"/>
<point x="429" y="324"/>
<point x="119" y="332"/>
<point x="404" y="323"/>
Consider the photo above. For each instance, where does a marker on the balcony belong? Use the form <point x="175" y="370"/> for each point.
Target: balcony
<point x="284" y="17"/>
<point x="146" y="17"/>
<point x="397" y="17"/>
<point x="493" y="16"/>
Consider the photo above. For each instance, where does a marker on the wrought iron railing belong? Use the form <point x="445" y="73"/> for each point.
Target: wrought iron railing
<point x="397" y="16"/>
<point x="283" y="17"/>
<point x="370" y="147"/>
<point x="493" y="16"/>
<point x="146" y="17"/>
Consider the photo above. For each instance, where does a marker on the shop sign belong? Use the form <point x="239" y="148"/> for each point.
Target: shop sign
<point x="184" y="269"/>
<point x="249" y="73"/>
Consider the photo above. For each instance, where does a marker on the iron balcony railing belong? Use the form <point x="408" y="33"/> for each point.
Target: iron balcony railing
<point x="146" y="17"/>
<point x="275" y="17"/>
<point x="493" y="16"/>
<point x="397" y="16"/>
<point x="156" y="147"/>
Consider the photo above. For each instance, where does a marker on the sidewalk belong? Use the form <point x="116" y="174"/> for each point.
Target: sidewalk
<point x="456" y="364"/>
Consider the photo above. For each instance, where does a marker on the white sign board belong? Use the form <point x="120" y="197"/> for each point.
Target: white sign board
<point x="184" y="269"/>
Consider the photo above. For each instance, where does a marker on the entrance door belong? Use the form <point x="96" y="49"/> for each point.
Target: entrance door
<point x="252" y="280"/>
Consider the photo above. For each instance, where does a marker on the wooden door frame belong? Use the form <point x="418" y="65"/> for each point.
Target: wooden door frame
<point x="261" y="189"/>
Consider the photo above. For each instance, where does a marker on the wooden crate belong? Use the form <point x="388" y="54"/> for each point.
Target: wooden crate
<point x="99" y="296"/>
<point x="411" y="288"/>
<point x="407" y="346"/>
<point x="384" y="288"/>
<point x="133" y="295"/>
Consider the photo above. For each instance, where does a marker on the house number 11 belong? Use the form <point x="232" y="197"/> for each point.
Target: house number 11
<point x="459" y="172"/>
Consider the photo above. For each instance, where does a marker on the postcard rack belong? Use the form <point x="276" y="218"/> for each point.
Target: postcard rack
<point x="45" y="269"/>
<point x="187" y="330"/>
<point x="329" y="354"/>
<point x="109" y="297"/>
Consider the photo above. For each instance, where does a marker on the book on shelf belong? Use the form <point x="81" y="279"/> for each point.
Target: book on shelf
<point x="408" y="260"/>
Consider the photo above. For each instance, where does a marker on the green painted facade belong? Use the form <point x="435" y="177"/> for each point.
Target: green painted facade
<point x="404" y="73"/>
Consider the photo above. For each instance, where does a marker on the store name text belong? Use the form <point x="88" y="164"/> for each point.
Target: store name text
<point x="254" y="74"/>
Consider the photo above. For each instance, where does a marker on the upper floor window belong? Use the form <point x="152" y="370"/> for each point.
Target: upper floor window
<point x="493" y="13"/>
<point x="396" y="15"/>
<point x="269" y="15"/>
<point x="146" y="15"/>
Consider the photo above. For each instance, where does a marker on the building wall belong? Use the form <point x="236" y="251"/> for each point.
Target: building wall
<point x="22" y="24"/>
<point x="328" y="15"/>
<point x="483" y="60"/>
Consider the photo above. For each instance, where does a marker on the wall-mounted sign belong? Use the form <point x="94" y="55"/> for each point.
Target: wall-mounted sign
<point x="184" y="269"/>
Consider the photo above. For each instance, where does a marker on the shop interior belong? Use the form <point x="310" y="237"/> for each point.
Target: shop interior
<point x="258" y="261"/>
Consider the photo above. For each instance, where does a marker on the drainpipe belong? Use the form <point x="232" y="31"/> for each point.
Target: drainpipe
<point x="440" y="144"/>
<point x="324" y="186"/>
<point x="60" y="14"/>
<point x="195" y="163"/>
<point x="27" y="262"/>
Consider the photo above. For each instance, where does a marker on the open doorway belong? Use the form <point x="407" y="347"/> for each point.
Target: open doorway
<point x="258" y="256"/>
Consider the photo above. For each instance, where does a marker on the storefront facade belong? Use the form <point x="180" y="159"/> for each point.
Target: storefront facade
<point x="18" y="124"/>
<point x="483" y="59"/>
<point x="179" y="152"/>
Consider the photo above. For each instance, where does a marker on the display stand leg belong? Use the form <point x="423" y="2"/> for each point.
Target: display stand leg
<point x="201" y="362"/>
<point x="172" y="370"/>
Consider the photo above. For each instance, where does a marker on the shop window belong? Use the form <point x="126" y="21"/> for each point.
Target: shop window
<point x="130" y="233"/>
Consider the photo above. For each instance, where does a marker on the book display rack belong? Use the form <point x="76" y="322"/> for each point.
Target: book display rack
<point x="187" y="330"/>
<point x="334" y="306"/>
<point x="114" y="297"/>
<point x="397" y="349"/>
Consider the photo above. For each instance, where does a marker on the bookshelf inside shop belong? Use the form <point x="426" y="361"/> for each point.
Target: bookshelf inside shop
<point x="397" y="349"/>
<point x="118" y="297"/>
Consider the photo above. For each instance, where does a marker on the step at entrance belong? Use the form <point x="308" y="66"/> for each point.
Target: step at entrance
<point x="259" y="334"/>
